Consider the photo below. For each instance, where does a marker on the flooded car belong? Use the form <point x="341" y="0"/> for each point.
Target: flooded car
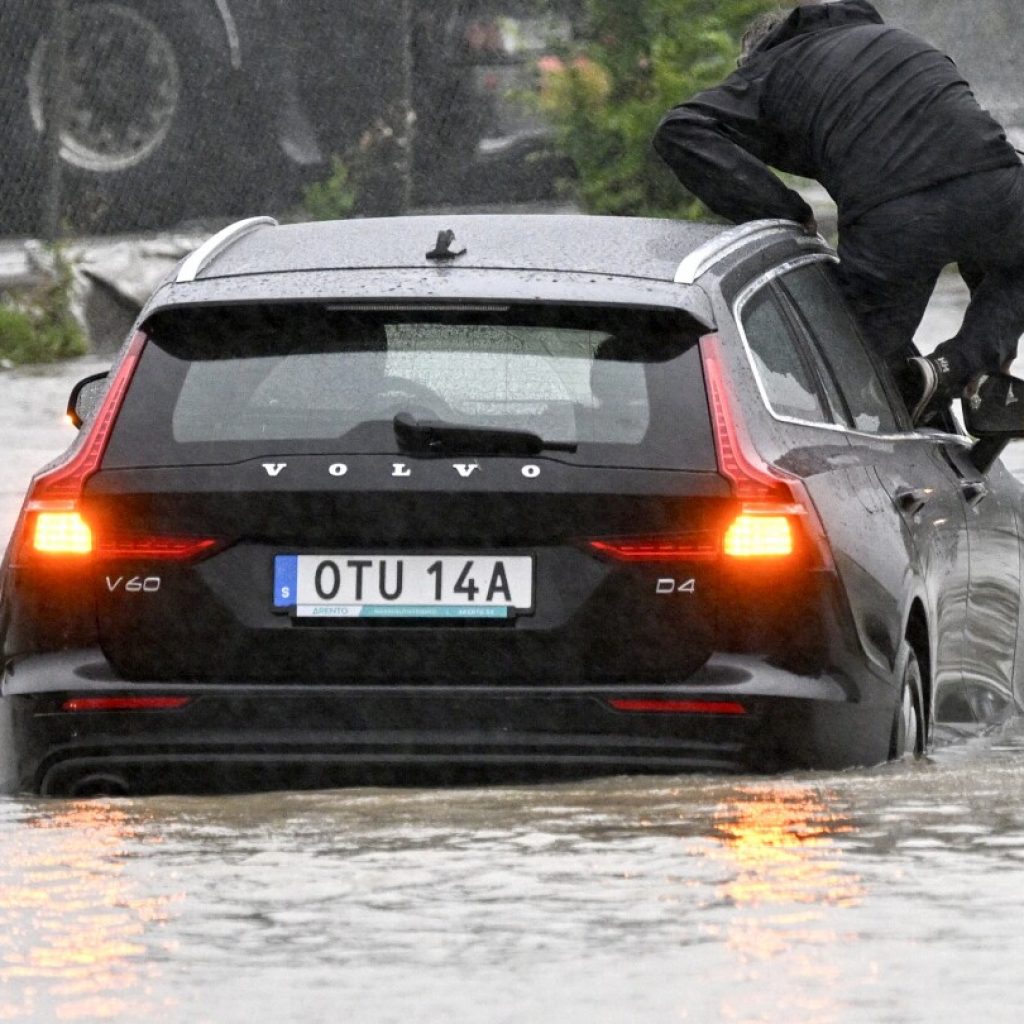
<point x="485" y="495"/>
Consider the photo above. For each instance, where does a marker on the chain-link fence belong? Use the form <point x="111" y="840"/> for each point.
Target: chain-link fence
<point x="127" y="114"/>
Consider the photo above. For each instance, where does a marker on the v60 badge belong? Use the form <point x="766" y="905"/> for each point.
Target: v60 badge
<point x="134" y="584"/>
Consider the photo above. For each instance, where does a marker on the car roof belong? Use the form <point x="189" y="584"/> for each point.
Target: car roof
<point x="548" y="258"/>
<point x="645" y="248"/>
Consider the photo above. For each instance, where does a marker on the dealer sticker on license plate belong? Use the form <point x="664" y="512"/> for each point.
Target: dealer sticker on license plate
<point x="403" y="586"/>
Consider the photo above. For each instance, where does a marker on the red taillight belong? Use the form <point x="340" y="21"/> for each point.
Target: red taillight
<point x="775" y="520"/>
<point x="751" y="477"/>
<point x="124" y="703"/>
<point x="154" y="548"/>
<point x="775" y="507"/>
<point x="61" y="533"/>
<point x="64" y="483"/>
<point x="51" y="524"/>
<point x="679" y="707"/>
<point x="656" y="549"/>
<point x="759" y="535"/>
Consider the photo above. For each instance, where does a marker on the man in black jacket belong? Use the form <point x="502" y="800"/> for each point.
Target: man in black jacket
<point x="922" y="177"/>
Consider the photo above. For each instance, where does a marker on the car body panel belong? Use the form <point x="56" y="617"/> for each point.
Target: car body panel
<point x="303" y="732"/>
<point x="993" y="605"/>
<point x="569" y="243"/>
<point x="437" y="284"/>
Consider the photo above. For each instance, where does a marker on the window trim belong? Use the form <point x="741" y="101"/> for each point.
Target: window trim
<point x="811" y="356"/>
<point x="766" y="280"/>
<point x="812" y="339"/>
<point x="803" y="359"/>
<point x="651" y="452"/>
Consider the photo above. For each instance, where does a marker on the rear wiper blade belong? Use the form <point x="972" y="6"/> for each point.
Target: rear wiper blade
<point x="455" y="439"/>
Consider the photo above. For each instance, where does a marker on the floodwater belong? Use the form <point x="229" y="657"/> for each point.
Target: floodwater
<point x="885" y="895"/>
<point x="890" y="894"/>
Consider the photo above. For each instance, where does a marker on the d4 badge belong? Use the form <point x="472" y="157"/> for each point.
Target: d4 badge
<point x="669" y="586"/>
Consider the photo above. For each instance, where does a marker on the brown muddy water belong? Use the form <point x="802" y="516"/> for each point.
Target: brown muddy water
<point x="894" y="894"/>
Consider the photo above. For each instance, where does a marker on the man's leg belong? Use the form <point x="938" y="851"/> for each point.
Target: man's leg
<point x="972" y="274"/>
<point x="888" y="301"/>
<point x="986" y="216"/>
<point x="889" y="266"/>
<point x="992" y="326"/>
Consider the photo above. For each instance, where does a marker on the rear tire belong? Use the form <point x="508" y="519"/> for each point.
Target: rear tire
<point x="908" y="736"/>
<point x="143" y="142"/>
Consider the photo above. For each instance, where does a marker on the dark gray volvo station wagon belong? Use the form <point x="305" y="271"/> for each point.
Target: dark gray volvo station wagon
<point x="491" y="496"/>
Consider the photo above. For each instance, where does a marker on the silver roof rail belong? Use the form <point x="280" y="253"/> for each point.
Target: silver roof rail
<point x="213" y="247"/>
<point x="704" y="258"/>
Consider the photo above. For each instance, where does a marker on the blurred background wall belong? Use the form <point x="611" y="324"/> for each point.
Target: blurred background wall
<point x="984" y="37"/>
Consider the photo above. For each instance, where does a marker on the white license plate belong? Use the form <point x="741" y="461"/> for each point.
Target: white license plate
<point x="403" y="586"/>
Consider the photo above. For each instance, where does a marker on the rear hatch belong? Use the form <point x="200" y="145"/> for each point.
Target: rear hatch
<point x="494" y="494"/>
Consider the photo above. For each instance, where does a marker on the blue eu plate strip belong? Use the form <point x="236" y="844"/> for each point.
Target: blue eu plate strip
<point x="432" y="611"/>
<point x="406" y="611"/>
<point x="286" y="575"/>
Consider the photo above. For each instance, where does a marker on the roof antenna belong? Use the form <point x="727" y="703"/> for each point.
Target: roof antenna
<point x="443" y="249"/>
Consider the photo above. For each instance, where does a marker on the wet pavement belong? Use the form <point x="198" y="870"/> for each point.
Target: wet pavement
<point x="891" y="894"/>
<point x="33" y="428"/>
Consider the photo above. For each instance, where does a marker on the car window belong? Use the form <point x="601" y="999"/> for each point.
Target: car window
<point x="821" y="306"/>
<point x="787" y="379"/>
<point x="529" y="378"/>
<point x="623" y="386"/>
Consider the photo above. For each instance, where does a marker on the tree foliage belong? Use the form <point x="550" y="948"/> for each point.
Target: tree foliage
<point x="39" y="326"/>
<point x="637" y="59"/>
<point x="334" y="198"/>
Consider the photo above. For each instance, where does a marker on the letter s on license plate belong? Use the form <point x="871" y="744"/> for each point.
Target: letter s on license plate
<point x="403" y="586"/>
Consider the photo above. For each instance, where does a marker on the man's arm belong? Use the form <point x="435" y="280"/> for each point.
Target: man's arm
<point x="718" y="147"/>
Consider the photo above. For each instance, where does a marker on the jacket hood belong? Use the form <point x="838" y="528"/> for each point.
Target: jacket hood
<point x="819" y="16"/>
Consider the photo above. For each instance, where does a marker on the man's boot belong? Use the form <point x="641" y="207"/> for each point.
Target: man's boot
<point x="926" y="386"/>
<point x="994" y="404"/>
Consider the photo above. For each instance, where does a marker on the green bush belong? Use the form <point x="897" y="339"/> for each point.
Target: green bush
<point x="605" y="97"/>
<point x="372" y="177"/>
<point x="39" y="326"/>
<point x="17" y="335"/>
<point x="334" y="198"/>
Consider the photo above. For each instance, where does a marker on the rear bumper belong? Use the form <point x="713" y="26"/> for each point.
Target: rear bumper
<point x="252" y="736"/>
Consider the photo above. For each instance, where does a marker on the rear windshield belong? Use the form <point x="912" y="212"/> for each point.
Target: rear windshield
<point x="223" y="384"/>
